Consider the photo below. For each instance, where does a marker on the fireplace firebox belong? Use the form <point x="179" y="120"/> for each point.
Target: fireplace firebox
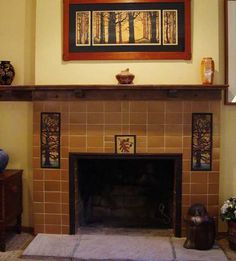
<point x="134" y="191"/>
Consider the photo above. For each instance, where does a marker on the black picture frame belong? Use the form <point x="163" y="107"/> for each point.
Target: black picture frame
<point x="202" y="140"/>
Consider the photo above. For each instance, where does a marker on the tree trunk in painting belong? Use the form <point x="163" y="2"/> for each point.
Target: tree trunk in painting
<point x="102" y="28"/>
<point x="198" y="159"/>
<point x="145" y="25"/>
<point x="131" y="16"/>
<point x="153" y="18"/>
<point x="167" y="27"/>
<point x="120" y="27"/>
<point x="112" y="28"/>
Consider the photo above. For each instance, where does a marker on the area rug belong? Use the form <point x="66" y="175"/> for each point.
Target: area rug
<point x="115" y="248"/>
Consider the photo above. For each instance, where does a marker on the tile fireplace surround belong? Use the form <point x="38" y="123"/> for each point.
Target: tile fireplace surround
<point x="90" y="126"/>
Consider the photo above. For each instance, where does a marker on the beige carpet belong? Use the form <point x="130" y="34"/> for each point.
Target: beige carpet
<point x="102" y="247"/>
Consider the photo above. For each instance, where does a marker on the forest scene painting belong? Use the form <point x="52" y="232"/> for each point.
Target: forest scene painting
<point x="133" y="27"/>
<point x="201" y="141"/>
<point x="50" y="140"/>
<point x="126" y="27"/>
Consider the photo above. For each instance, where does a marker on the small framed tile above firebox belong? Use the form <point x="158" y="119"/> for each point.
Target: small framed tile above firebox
<point x="125" y="144"/>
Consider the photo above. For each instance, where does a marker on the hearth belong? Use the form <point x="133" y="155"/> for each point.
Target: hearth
<point x="133" y="191"/>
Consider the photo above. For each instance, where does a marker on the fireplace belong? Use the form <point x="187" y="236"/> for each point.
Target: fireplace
<point x="134" y="191"/>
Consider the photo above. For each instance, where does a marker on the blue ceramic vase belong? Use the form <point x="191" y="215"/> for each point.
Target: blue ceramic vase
<point x="3" y="160"/>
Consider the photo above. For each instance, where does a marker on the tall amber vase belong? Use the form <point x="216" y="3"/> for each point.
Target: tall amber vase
<point x="232" y="234"/>
<point x="207" y="70"/>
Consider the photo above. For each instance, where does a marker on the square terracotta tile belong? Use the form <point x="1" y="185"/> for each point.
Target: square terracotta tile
<point x="173" y="142"/>
<point x="52" y="174"/>
<point x="77" y="141"/>
<point x="140" y="130"/>
<point x="201" y="199"/>
<point x="39" y="228"/>
<point x="155" y="141"/>
<point x="113" y="118"/>
<point x="77" y="106"/>
<point x="53" y="219"/>
<point x="138" y="106"/>
<point x="39" y="218"/>
<point x="113" y="106"/>
<point x="95" y="106"/>
<point x="174" y="130"/>
<point x="174" y="107"/>
<point x="77" y="129"/>
<point x="156" y="118"/>
<point x="199" y="177"/>
<point x="38" y="196"/>
<point x="38" y="185"/>
<point x="199" y="188"/>
<point x="174" y="118"/>
<point x="213" y="199"/>
<point x="213" y="188"/>
<point x="95" y="129"/>
<point x="95" y="118"/>
<point x="112" y="130"/>
<point x="52" y="186"/>
<point x="53" y="208"/>
<point x="138" y="118"/>
<point x="95" y="141"/>
<point x="53" y="197"/>
<point x="77" y="118"/>
<point x="53" y="229"/>
<point x="155" y="130"/>
<point x="214" y="177"/>
<point x="156" y="106"/>
<point x="38" y="174"/>
<point x="198" y="106"/>
<point x="38" y="208"/>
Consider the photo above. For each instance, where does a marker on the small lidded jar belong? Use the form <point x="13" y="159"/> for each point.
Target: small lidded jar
<point x="207" y="70"/>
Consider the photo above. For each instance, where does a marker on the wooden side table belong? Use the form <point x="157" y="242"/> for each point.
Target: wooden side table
<point x="10" y="202"/>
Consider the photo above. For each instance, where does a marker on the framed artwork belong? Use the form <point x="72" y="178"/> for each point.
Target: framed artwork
<point x="230" y="51"/>
<point x="50" y="139"/>
<point x="201" y="141"/>
<point x="125" y="144"/>
<point x="126" y="29"/>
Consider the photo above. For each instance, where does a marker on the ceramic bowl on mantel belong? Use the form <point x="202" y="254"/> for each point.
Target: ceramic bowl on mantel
<point x="125" y="77"/>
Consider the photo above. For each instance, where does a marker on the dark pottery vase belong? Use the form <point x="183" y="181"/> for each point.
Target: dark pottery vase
<point x="7" y="73"/>
<point x="232" y="234"/>
<point x="3" y="160"/>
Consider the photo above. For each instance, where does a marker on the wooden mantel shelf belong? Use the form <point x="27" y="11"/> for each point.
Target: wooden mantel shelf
<point x="108" y="92"/>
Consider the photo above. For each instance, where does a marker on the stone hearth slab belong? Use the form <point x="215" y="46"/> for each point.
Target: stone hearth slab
<point x="120" y="247"/>
<point x="51" y="247"/>
<point x="103" y="247"/>
<point x="183" y="254"/>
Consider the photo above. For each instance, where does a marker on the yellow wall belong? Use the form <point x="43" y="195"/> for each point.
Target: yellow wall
<point x="17" y="34"/>
<point x="17" y="45"/>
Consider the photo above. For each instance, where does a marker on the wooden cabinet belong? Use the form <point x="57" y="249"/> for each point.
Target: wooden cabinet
<point x="10" y="202"/>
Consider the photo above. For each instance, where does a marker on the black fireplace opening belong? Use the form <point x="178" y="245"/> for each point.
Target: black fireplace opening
<point x="131" y="191"/>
